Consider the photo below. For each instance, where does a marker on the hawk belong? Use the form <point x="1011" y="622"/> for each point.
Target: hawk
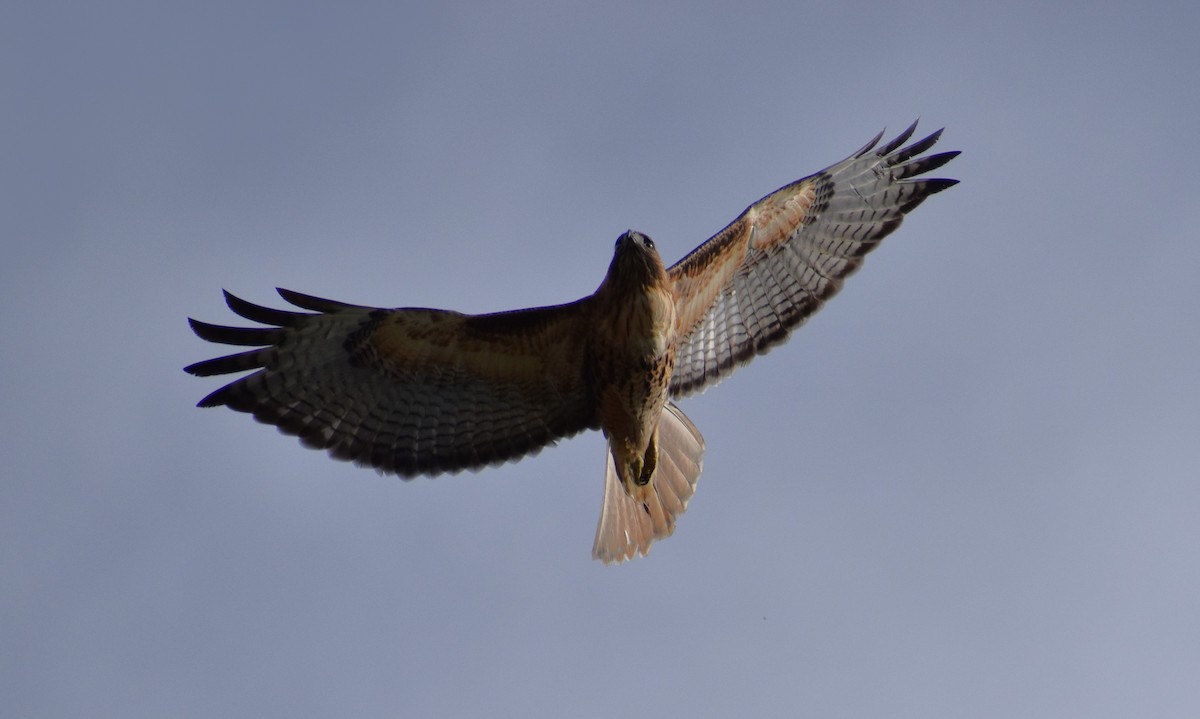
<point x="422" y="391"/>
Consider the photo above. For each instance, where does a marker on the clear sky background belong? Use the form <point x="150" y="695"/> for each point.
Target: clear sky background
<point x="970" y="487"/>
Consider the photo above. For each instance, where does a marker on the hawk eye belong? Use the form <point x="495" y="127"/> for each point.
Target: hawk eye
<point x="649" y="243"/>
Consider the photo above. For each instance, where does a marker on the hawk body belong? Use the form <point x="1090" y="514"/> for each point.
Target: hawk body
<point x="632" y="354"/>
<point x="417" y="391"/>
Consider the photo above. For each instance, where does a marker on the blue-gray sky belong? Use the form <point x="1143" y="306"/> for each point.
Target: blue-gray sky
<point x="968" y="487"/>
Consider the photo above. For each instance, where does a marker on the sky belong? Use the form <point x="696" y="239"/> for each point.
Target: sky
<point x="968" y="487"/>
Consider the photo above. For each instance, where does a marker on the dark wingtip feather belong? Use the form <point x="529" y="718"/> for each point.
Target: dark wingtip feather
<point x="921" y="165"/>
<point x="199" y="369"/>
<point x="316" y="304"/>
<point x="936" y="161"/>
<point x="925" y="188"/>
<point x="935" y="185"/>
<point x="870" y="145"/>
<point x="899" y="140"/>
<point x="198" y="327"/>
<point x="241" y="336"/>
<point x="240" y="362"/>
<point x="258" y="313"/>
<point x="917" y="147"/>
<point x="216" y="399"/>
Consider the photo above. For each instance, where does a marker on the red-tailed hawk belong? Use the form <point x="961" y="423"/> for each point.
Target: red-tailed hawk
<point x="421" y="391"/>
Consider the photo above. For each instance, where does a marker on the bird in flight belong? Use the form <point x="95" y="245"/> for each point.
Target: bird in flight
<point x="421" y="391"/>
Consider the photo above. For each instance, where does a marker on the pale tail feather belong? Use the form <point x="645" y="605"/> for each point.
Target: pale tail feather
<point x="627" y="528"/>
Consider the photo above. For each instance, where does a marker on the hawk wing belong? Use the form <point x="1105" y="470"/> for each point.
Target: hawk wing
<point x="409" y="391"/>
<point x="744" y="290"/>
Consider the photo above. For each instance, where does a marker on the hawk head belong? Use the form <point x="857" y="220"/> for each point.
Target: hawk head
<point x="636" y="261"/>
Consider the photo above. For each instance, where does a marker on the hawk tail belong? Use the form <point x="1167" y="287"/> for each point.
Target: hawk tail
<point x="628" y="526"/>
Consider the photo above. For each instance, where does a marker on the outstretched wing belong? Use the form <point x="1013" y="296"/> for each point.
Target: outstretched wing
<point x="409" y="391"/>
<point x="745" y="289"/>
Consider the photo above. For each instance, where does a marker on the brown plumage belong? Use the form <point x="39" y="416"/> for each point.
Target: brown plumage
<point x="421" y="391"/>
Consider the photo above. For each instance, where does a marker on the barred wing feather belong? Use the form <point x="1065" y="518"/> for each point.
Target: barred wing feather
<point x="744" y="290"/>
